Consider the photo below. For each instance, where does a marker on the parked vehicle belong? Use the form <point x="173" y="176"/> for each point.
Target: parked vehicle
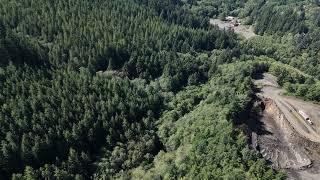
<point x="305" y="116"/>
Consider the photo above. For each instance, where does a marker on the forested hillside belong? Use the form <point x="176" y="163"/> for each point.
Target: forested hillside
<point x="141" y="89"/>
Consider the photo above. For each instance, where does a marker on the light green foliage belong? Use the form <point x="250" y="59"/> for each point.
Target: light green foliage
<point x="202" y="143"/>
<point x="69" y="106"/>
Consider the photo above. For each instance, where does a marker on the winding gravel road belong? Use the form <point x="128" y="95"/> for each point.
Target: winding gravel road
<point x="290" y="107"/>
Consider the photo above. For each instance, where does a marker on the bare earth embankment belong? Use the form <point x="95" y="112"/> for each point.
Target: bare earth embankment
<point x="280" y="133"/>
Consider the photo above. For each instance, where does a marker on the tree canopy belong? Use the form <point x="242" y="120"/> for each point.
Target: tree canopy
<point x="143" y="89"/>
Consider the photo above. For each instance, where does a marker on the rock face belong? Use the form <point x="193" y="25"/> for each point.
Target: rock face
<point x="279" y="143"/>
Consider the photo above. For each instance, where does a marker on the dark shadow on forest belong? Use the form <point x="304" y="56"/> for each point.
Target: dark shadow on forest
<point x="254" y="122"/>
<point x="21" y="51"/>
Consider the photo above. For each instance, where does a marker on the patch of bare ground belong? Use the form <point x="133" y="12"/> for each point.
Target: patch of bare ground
<point x="243" y="30"/>
<point x="282" y="138"/>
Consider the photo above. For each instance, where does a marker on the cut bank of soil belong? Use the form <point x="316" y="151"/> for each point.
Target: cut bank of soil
<point x="276" y="137"/>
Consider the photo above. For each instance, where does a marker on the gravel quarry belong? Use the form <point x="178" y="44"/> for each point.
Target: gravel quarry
<point x="281" y="135"/>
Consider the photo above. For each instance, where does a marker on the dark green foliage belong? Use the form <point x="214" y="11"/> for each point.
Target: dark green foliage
<point x="174" y="11"/>
<point x="273" y="18"/>
<point x="41" y="120"/>
<point x="96" y="89"/>
<point x="95" y="36"/>
<point x="19" y="50"/>
<point x="61" y="119"/>
<point x="217" y="8"/>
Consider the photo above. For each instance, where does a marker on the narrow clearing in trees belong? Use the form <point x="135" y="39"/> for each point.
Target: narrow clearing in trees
<point x="280" y="133"/>
<point x="245" y="31"/>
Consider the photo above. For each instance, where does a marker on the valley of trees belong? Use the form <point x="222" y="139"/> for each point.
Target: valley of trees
<point x="142" y="89"/>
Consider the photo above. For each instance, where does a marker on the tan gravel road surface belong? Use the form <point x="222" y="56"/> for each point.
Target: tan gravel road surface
<point x="290" y="106"/>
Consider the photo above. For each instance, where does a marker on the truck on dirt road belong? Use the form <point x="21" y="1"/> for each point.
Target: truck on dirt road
<point x="305" y="116"/>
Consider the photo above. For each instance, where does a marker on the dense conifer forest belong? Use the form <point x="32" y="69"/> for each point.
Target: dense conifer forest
<point x="143" y="89"/>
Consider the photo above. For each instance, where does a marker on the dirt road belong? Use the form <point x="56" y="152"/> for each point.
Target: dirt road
<point x="280" y="133"/>
<point x="290" y="107"/>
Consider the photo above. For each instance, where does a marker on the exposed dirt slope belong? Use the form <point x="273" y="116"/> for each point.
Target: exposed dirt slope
<point x="280" y="144"/>
<point x="281" y="135"/>
<point x="290" y="107"/>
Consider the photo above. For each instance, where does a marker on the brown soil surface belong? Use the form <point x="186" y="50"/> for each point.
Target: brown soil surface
<point x="281" y="135"/>
<point x="246" y="31"/>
